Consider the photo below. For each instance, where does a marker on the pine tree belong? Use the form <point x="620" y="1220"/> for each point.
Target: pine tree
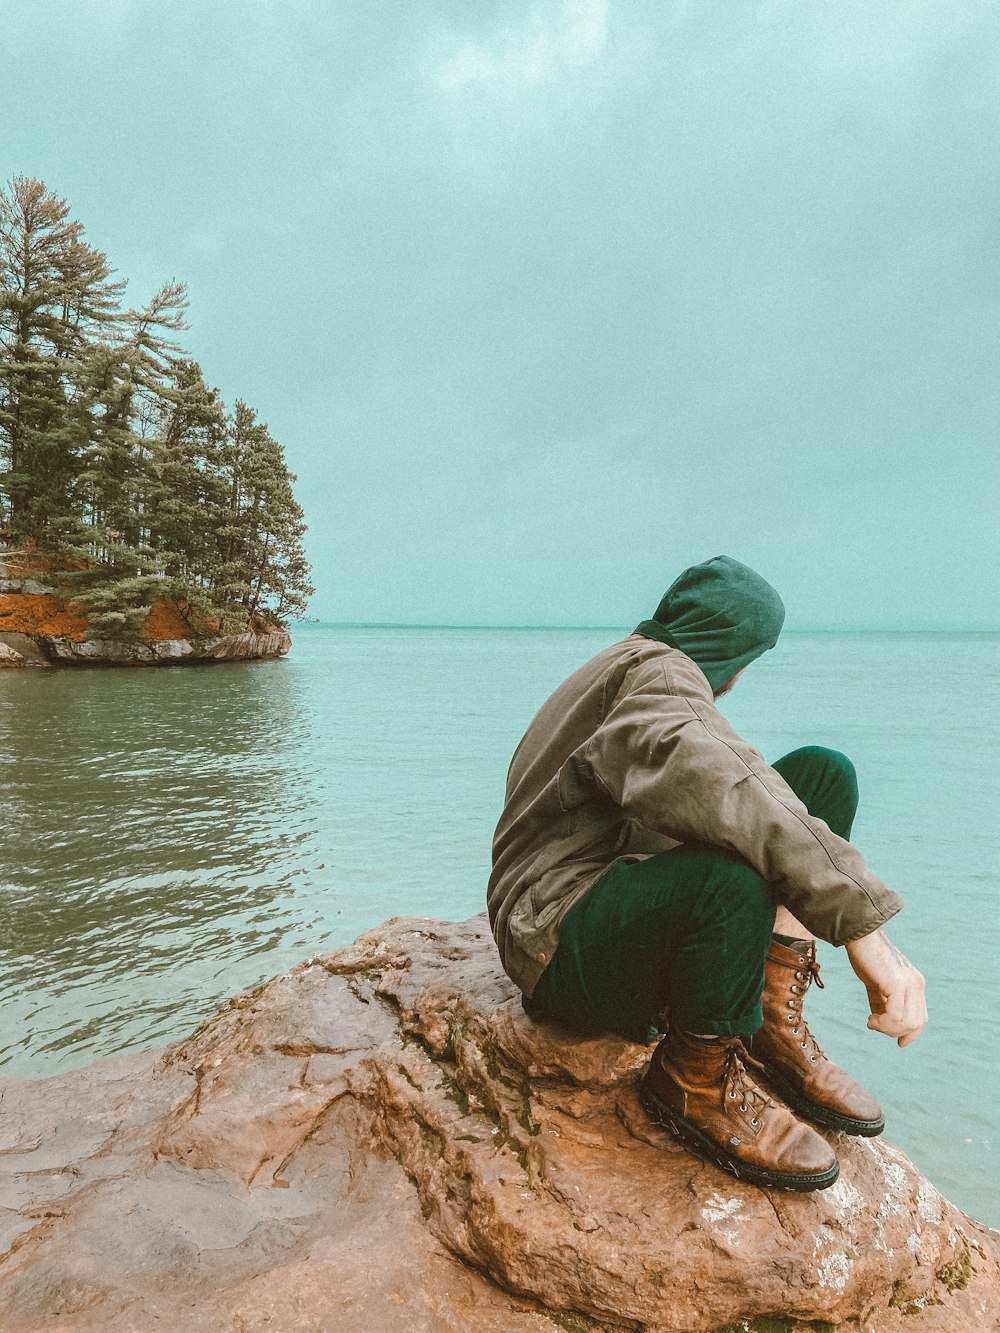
<point x="265" y="564"/>
<point x="130" y="381"/>
<point x="188" y="504"/>
<point x="56" y="293"/>
<point x="114" y="449"/>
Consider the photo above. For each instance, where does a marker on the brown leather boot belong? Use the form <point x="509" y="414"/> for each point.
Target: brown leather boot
<point x="789" y="1055"/>
<point x="702" y="1091"/>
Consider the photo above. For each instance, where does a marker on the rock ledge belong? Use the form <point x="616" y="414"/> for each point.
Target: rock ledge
<point x="382" y="1139"/>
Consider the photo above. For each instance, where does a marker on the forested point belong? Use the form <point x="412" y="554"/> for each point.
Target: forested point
<point x="115" y="453"/>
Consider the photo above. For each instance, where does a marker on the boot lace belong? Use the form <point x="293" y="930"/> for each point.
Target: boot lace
<point x="806" y="973"/>
<point x="738" y="1085"/>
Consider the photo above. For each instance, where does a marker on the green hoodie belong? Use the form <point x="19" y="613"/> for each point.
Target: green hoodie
<point x="721" y="614"/>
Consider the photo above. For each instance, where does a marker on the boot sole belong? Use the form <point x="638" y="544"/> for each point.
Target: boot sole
<point x="706" y="1147"/>
<point x="821" y="1115"/>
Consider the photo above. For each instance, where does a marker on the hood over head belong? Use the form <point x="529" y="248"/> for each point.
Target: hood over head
<point x="720" y="613"/>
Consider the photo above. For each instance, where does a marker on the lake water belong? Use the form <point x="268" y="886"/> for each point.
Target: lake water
<point x="173" y="837"/>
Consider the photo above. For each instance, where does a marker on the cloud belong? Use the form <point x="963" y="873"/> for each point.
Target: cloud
<point x="543" y="294"/>
<point x="531" y="55"/>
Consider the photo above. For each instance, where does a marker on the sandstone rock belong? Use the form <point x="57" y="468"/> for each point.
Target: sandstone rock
<point x="57" y="648"/>
<point x="247" y="647"/>
<point x="108" y="652"/>
<point x="24" y="649"/>
<point x="382" y="1139"/>
<point x="172" y="649"/>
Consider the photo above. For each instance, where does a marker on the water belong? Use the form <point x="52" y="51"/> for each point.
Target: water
<point x="173" y="837"/>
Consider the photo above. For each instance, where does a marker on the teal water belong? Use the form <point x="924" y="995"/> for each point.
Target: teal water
<point x="173" y="837"/>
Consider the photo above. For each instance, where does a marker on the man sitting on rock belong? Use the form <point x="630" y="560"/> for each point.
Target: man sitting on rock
<point x="648" y="859"/>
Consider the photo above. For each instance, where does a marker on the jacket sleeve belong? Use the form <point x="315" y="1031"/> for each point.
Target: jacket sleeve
<point x="669" y="759"/>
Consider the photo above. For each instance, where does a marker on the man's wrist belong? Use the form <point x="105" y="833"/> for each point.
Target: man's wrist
<point x="865" y="942"/>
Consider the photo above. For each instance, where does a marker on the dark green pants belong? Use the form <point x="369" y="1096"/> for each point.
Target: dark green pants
<point x="686" y="931"/>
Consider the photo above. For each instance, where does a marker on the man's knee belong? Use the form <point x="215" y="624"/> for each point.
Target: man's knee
<point x="823" y="764"/>
<point x="835" y="760"/>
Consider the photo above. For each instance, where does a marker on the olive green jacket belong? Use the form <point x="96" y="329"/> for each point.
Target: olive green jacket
<point x="630" y="757"/>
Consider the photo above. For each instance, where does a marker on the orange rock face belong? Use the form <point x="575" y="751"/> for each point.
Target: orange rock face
<point x="165" y="621"/>
<point x="382" y="1140"/>
<point x="21" y="613"/>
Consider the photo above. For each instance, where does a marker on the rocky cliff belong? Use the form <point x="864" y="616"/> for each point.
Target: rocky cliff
<point x="381" y="1139"/>
<point x="41" y="627"/>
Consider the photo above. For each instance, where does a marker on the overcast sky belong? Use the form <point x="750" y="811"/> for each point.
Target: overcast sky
<point x="548" y="300"/>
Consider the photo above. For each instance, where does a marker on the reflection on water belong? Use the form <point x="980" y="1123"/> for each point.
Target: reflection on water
<point x="152" y="826"/>
<point x="172" y="837"/>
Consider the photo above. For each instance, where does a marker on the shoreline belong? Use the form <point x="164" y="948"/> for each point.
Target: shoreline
<point x="19" y="651"/>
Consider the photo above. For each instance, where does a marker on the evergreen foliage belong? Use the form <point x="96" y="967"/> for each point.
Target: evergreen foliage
<point x="114" y="449"/>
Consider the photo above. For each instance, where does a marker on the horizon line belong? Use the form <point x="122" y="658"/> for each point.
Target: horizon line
<point x="611" y="629"/>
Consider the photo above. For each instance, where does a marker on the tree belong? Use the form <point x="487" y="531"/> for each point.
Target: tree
<point x="263" y="567"/>
<point x="114" y="449"/>
<point x="118" y="484"/>
<point x="56" y="293"/>
<point x="187" y="503"/>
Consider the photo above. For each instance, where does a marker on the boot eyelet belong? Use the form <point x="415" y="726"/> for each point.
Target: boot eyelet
<point x="795" y="990"/>
<point x="802" y="960"/>
<point x="790" y="1017"/>
<point x="744" y="1107"/>
<point x="812" y="1058"/>
<point x="798" y="976"/>
<point x="802" y="1044"/>
<point x="732" y="1096"/>
<point x="755" y="1122"/>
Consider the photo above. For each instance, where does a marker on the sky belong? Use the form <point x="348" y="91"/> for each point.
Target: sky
<point x="549" y="299"/>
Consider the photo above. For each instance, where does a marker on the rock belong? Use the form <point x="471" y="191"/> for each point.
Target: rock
<point x="248" y="647"/>
<point x="10" y="658"/>
<point x="107" y="652"/>
<point x="172" y="649"/>
<point x="11" y="585"/>
<point x="25" y="651"/>
<point x="382" y="1139"/>
<point x="32" y="588"/>
<point x="245" y="647"/>
<point x="57" y="647"/>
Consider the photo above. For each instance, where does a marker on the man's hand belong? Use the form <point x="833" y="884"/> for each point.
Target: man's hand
<point x="895" y="987"/>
